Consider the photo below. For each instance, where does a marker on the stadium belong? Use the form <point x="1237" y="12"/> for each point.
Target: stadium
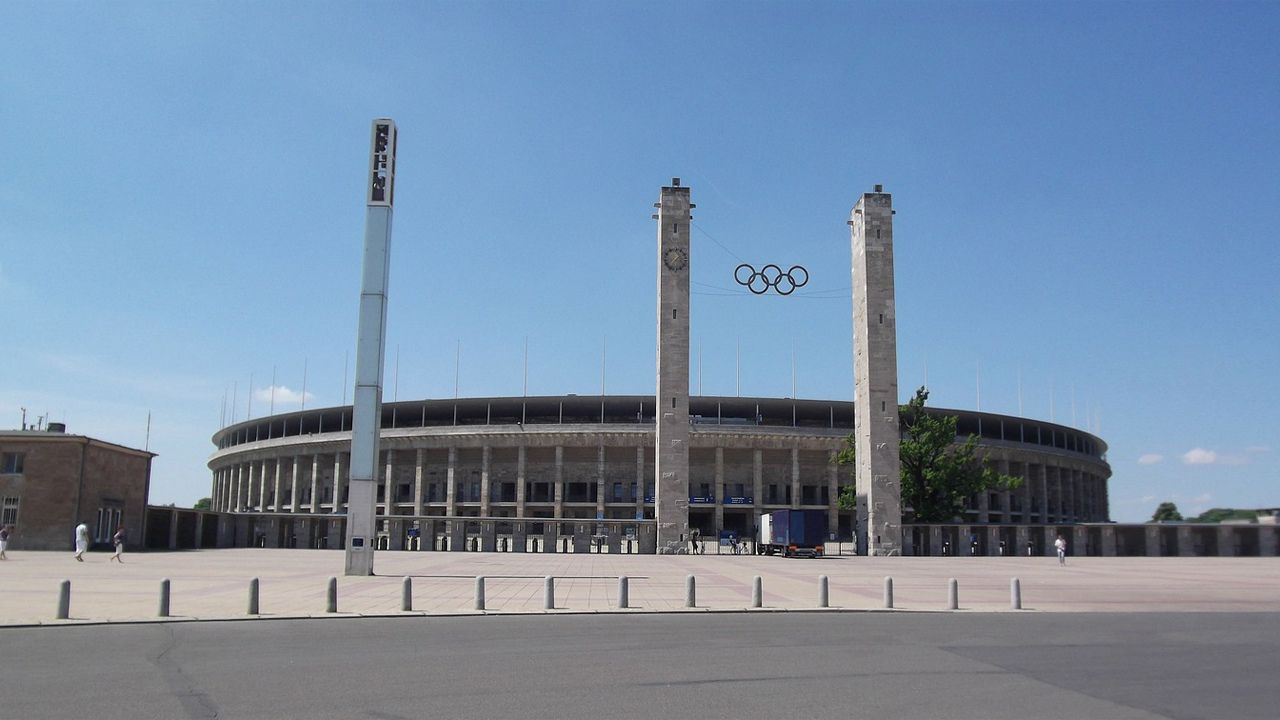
<point x="592" y="458"/>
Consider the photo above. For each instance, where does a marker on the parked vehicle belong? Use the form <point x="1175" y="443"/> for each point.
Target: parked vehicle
<point x="793" y="533"/>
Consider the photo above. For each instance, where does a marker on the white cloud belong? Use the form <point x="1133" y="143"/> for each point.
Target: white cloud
<point x="283" y="395"/>
<point x="1150" y="459"/>
<point x="1257" y="449"/>
<point x="1199" y="456"/>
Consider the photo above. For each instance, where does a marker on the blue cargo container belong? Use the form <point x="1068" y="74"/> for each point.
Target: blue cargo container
<point x="793" y="533"/>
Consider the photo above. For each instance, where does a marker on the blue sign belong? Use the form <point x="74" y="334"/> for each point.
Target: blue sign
<point x="702" y="500"/>
<point x="739" y="500"/>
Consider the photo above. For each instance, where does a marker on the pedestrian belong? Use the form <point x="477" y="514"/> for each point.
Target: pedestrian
<point x="693" y="542"/>
<point x="5" y="532"/>
<point x="119" y="539"/>
<point x="82" y="541"/>
<point x="1061" y="545"/>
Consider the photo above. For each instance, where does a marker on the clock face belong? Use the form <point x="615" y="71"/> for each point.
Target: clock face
<point x="675" y="258"/>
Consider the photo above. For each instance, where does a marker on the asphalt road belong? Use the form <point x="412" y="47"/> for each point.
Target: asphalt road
<point x="697" y="666"/>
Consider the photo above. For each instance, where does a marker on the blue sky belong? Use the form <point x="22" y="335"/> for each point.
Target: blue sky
<point x="1085" y="193"/>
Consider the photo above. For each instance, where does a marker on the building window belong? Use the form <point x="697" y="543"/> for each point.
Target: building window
<point x="9" y="511"/>
<point x="11" y="463"/>
<point x="109" y="518"/>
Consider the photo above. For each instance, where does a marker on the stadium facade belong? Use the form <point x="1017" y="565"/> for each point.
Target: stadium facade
<point x="592" y="458"/>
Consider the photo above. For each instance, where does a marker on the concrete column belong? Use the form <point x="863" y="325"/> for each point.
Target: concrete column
<point x="339" y="485"/>
<point x="1186" y="546"/>
<point x="199" y="530"/>
<point x="173" y="529"/>
<point x="757" y="478"/>
<point x="1226" y="541"/>
<point x="521" y="481"/>
<point x="1026" y="495"/>
<point x="272" y="533"/>
<point x="451" y="485"/>
<point x="315" y="483"/>
<point x="993" y="541"/>
<point x="833" y="494"/>
<point x="1021" y="535"/>
<point x="278" y="485"/>
<point x="984" y="511"/>
<point x="935" y="540"/>
<point x="1108" y="542"/>
<point x="246" y="488"/>
<point x="640" y="492"/>
<point x="293" y="484"/>
<point x="600" y="481"/>
<point x="242" y="487"/>
<point x="486" y="456"/>
<point x="1061" y="512"/>
<point x="418" y="461"/>
<point x="1002" y="466"/>
<point x="1267" y="540"/>
<point x="1050" y="535"/>
<point x="795" y="478"/>
<point x="558" y="479"/>
<point x="719" y="491"/>
<point x="388" y="486"/>
<point x="1079" y="541"/>
<point x="671" y="432"/>
<point x="1152" y="533"/>
<point x="1042" y="481"/>
<point x="262" y="486"/>
<point x="875" y="361"/>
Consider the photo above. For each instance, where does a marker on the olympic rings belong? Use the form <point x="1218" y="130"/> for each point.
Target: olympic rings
<point x="771" y="276"/>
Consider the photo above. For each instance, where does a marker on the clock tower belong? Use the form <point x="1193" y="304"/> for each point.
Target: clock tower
<point x="671" y="440"/>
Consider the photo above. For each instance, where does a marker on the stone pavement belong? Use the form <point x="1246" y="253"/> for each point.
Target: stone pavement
<point x="213" y="584"/>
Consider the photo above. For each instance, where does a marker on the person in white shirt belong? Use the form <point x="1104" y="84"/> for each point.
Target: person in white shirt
<point x="82" y="541"/>
<point x="1061" y="545"/>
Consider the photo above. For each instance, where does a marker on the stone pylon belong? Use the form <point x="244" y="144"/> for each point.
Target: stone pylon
<point x="671" y="442"/>
<point x="875" y="373"/>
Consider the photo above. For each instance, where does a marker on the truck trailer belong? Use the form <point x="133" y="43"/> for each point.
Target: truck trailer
<point x="793" y="533"/>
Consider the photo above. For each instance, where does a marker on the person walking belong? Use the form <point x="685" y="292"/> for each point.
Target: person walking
<point x="119" y="539"/>
<point x="5" y="532"/>
<point x="1061" y="545"/>
<point x="82" y="541"/>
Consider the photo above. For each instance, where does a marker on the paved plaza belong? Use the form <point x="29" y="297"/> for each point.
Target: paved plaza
<point x="213" y="584"/>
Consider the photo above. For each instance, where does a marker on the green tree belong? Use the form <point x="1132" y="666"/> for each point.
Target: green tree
<point x="1166" y="512"/>
<point x="1217" y="515"/>
<point x="937" y="475"/>
<point x="204" y="504"/>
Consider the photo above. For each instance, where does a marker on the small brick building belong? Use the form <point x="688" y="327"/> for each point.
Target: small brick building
<point x="51" y="481"/>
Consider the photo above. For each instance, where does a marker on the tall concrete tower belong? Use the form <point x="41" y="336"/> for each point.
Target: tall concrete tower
<point x="366" y="415"/>
<point x="875" y="376"/>
<point x="671" y="444"/>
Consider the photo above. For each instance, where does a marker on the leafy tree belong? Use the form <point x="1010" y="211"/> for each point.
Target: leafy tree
<point x="937" y="475"/>
<point x="1166" y="512"/>
<point x="204" y="504"/>
<point x="1217" y="515"/>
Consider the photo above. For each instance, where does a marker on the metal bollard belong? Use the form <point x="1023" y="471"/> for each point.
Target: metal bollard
<point x="406" y="595"/>
<point x="164" y="598"/>
<point x="64" y="600"/>
<point x="1015" y="594"/>
<point x="331" y="596"/>
<point x="888" y="592"/>
<point x="953" y="594"/>
<point x="479" y="592"/>
<point x="253" y="597"/>
<point x="623" y="599"/>
<point x="690" y="592"/>
<point x="823" y="595"/>
<point x="549" y="593"/>
<point x="757" y="592"/>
